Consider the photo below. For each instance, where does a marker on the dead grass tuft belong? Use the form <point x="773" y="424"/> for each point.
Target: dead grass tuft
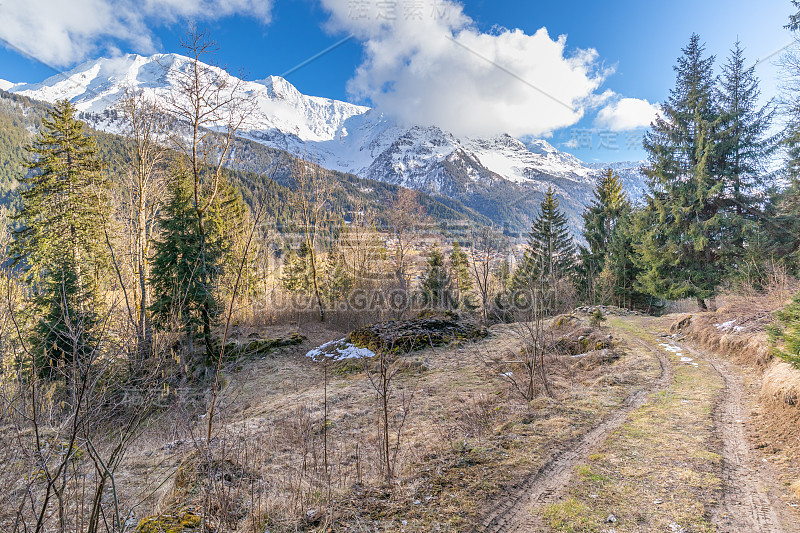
<point x="781" y="383"/>
<point x="734" y="336"/>
<point x="796" y="488"/>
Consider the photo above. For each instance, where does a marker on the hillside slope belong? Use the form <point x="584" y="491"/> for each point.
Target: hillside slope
<point x="20" y="118"/>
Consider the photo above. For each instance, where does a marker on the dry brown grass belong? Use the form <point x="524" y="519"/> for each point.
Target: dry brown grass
<point x="781" y="383"/>
<point x="796" y="488"/>
<point x="466" y="438"/>
<point x="747" y="346"/>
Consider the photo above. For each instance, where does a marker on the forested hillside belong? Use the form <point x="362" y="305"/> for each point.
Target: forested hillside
<point x="252" y="166"/>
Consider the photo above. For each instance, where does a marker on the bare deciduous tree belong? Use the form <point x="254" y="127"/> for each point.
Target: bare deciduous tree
<point x="405" y="217"/>
<point x="486" y="248"/>
<point x="311" y="200"/>
<point x="211" y="107"/>
<point x="382" y="382"/>
<point x="146" y="127"/>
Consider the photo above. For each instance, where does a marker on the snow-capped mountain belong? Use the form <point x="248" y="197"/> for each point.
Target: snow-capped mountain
<point x="343" y="136"/>
<point x="630" y="172"/>
<point x="5" y="85"/>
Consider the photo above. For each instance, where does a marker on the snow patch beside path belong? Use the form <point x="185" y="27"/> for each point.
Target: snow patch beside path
<point x="339" y="350"/>
<point x="730" y="325"/>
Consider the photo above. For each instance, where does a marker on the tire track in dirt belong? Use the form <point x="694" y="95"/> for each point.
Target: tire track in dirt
<point x="748" y="503"/>
<point x="544" y="486"/>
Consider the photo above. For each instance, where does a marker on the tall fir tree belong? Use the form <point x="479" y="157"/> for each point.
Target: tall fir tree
<point x="780" y="226"/>
<point x="794" y="19"/>
<point x="620" y="269"/>
<point x="459" y="264"/>
<point x="437" y="285"/>
<point x="59" y="242"/>
<point x="551" y="252"/>
<point x="550" y="256"/>
<point x="601" y="220"/>
<point x="184" y="296"/>
<point x="744" y="151"/>
<point x="337" y="278"/>
<point x="296" y="272"/>
<point x="680" y="249"/>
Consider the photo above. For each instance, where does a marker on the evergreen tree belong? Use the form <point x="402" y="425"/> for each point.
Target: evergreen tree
<point x="502" y="308"/>
<point x="780" y="226"/>
<point x="794" y="20"/>
<point x="337" y="279"/>
<point x="183" y="296"/>
<point x="787" y="329"/>
<point x="550" y="255"/>
<point x="59" y="242"/>
<point x="743" y="155"/>
<point x="459" y="264"/>
<point x="620" y="266"/>
<point x="680" y="248"/>
<point x="601" y="221"/>
<point x="296" y="274"/>
<point x="436" y="282"/>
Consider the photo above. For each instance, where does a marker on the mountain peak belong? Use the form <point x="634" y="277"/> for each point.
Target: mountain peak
<point x="279" y="87"/>
<point x="339" y="135"/>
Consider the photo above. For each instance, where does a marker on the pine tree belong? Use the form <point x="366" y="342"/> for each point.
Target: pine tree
<point x="620" y="265"/>
<point x="794" y="20"/>
<point x="744" y="151"/>
<point x="780" y="224"/>
<point x="787" y="330"/>
<point x="436" y="282"/>
<point x="338" y="280"/>
<point x="550" y="256"/>
<point x="459" y="264"/>
<point x="601" y="221"/>
<point x="183" y="296"/>
<point x="680" y="249"/>
<point x="59" y="242"/>
<point x="296" y="273"/>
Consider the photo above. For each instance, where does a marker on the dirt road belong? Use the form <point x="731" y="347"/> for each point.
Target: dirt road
<point x="674" y="457"/>
<point x="750" y="500"/>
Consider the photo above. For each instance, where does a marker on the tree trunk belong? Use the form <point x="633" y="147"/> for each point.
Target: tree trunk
<point x="144" y="332"/>
<point x="317" y="293"/>
<point x="205" y="309"/>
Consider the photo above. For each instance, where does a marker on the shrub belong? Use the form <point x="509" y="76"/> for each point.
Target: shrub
<point x="787" y="331"/>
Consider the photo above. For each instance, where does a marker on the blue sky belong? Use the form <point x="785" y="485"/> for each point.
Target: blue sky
<point x="636" y="45"/>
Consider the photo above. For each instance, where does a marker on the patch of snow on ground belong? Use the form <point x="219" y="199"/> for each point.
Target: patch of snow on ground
<point x="339" y="350"/>
<point x="730" y="325"/>
<point x="686" y="359"/>
<point x="670" y="347"/>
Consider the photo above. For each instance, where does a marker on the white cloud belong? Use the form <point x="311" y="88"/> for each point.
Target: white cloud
<point x="60" y="32"/>
<point x="626" y="114"/>
<point x="426" y="63"/>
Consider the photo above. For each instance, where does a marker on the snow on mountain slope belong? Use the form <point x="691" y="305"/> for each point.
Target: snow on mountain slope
<point x="630" y="172"/>
<point x="5" y="85"/>
<point x="97" y="85"/>
<point x="337" y="135"/>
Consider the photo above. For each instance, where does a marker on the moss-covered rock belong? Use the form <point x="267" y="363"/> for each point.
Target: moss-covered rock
<point x="185" y="520"/>
<point x="416" y="334"/>
<point x="252" y="347"/>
